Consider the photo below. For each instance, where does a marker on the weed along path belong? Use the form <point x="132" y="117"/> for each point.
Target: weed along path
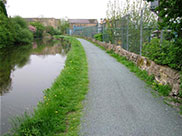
<point x="120" y="104"/>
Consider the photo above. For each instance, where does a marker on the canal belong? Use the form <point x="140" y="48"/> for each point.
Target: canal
<point x="25" y="71"/>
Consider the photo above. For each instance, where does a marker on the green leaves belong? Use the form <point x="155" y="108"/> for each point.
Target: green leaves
<point x="14" y="31"/>
<point x="3" y="9"/>
<point x="52" y="31"/>
<point x="20" y="21"/>
<point x="7" y="33"/>
<point x="39" y="29"/>
<point x="98" y="36"/>
<point x="167" y="53"/>
<point x="22" y="34"/>
<point x="169" y="12"/>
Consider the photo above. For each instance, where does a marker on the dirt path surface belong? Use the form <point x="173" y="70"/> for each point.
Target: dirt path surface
<point x="120" y="104"/>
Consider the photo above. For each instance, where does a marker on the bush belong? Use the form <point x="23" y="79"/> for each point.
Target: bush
<point x="52" y="31"/>
<point x="98" y="36"/>
<point x="57" y="32"/>
<point x="20" y="21"/>
<point x="168" y="53"/>
<point x="176" y="55"/>
<point x="7" y="33"/>
<point x="6" y="30"/>
<point x="39" y="29"/>
<point x="13" y="30"/>
<point x="23" y="34"/>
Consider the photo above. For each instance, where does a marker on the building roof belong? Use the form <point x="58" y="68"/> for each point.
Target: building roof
<point x="83" y="21"/>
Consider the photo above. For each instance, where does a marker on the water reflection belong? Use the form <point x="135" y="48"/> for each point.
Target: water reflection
<point x="19" y="56"/>
<point x="9" y="58"/>
<point x="26" y="71"/>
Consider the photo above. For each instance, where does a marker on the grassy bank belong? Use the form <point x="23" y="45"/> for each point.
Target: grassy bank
<point x="161" y="90"/>
<point x="59" y="112"/>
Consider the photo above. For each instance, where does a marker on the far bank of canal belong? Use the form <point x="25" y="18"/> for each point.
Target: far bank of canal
<point x="25" y="71"/>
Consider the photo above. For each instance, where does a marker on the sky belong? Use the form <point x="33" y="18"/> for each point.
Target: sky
<point x="76" y="9"/>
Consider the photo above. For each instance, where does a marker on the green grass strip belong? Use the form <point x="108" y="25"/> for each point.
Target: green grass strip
<point x="58" y="114"/>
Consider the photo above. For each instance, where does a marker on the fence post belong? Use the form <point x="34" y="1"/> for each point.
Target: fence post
<point x="122" y="37"/>
<point x="127" y="48"/>
<point x="161" y="38"/>
<point x="141" y="32"/>
<point x="103" y="32"/>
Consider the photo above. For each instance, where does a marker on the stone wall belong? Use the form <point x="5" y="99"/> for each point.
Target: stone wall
<point x="45" y="21"/>
<point x="163" y="74"/>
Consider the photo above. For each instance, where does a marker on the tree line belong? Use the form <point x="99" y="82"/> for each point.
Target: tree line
<point x="16" y="31"/>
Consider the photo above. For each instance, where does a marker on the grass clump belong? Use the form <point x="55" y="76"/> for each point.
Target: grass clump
<point x="60" y="110"/>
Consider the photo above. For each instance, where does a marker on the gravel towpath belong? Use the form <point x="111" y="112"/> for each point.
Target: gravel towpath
<point x="120" y="104"/>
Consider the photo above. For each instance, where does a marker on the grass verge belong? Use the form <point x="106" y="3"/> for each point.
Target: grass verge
<point x="58" y="114"/>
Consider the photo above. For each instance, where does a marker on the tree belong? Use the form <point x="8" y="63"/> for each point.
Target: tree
<point x="125" y="18"/>
<point x="3" y="8"/>
<point x="7" y="32"/>
<point x="171" y="15"/>
<point x="39" y="29"/>
<point x="20" y="21"/>
<point x="64" y="25"/>
<point x="4" y="1"/>
<point x="22" y="32"/>
<point x="52" y="31"/>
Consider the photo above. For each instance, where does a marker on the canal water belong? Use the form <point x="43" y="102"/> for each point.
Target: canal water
<point x="25" y="71"/>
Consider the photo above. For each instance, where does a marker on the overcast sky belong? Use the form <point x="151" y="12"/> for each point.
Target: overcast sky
<point x="58" y="8"/>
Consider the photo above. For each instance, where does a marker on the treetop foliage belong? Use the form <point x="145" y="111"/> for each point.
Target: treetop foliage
<point x="171" y="15"/>
<point x="3" y="8"/>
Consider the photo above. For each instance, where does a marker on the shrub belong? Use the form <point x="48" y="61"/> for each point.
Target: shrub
<point x="176" y="55"/>
<point x="168" y="53"/>
<point x="23" y="34"/>
<point x="52" y="31"/>
<point x="98" y="36"/>
<point x="57" y="32"/>
<point x="20" y="21"/>
<point x="7" y="34"/>
<point x="13" y="30"/>
<point x="39" y="29"/>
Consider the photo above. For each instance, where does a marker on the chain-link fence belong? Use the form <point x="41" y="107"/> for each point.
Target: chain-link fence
<point x="130" y="35"/>
<point x="85" y="31"/>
